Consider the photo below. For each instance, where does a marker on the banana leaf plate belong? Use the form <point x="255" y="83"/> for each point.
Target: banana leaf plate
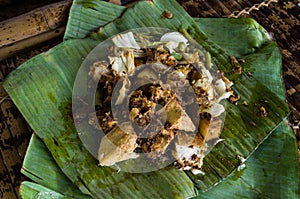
<point x="256" y="159"/>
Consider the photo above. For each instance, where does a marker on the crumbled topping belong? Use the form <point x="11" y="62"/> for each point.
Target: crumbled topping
<point x="236" y="67"/>
<point x="158" y="107"/>
<point x="166" y="14"/>
<point x="263" y="111"/>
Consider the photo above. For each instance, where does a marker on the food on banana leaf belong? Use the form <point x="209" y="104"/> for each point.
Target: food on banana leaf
<point x="172" y="96"/>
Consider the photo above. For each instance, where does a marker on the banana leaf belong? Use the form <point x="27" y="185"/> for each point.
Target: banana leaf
<point x="230" y="30"/>
<point x="40" y="167"/>
<point x="271" y="166"/>
<point x="87" y="15"/>
<point x="33" y="190"/>
<point x="271" y="172"/>
<point x="246" y="39"/>
<point x="236" y="123"/>
<point x="61" y="137"/>
<point x="47" y="82"/>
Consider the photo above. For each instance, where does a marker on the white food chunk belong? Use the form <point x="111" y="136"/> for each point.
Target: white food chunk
<point x="117" y="145"/>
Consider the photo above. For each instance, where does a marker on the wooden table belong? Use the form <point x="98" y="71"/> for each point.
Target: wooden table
<point x="33" y="26"/>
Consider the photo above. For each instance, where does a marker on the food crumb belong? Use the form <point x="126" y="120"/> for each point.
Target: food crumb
<point x="245" y="103"/>
<point x="249" y="74"/>
<point x="252" y="123"/>
<point x="166" y="14"/>
<point x="233" y="99"/>
<point x="263" y="111"/>
<point x="236" y="67"/>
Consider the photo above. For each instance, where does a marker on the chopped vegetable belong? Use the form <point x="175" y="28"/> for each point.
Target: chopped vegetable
<point x="168" y="79"/>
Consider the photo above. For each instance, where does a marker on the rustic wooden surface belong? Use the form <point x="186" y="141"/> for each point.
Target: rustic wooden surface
<point x="281" y="18"/>
<point x="14" y="131"/>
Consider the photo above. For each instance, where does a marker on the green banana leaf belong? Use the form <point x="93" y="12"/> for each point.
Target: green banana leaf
<point x="87" y="15"/>
<point x="271" y="172"/>
<point x="33" y="190"/>
<point x="40" y="166"/>
<point x="269" y="168"/>
<point x="59" y="133"/>
<point x="230" y="30"/>
<point x="44" y="109"/>
<point x="246" y="39"/>
<point x="220" y="165"/>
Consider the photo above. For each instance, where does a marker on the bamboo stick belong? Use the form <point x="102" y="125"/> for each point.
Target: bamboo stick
<point x="32" y="28"/>
<point x="26" y="43"/>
